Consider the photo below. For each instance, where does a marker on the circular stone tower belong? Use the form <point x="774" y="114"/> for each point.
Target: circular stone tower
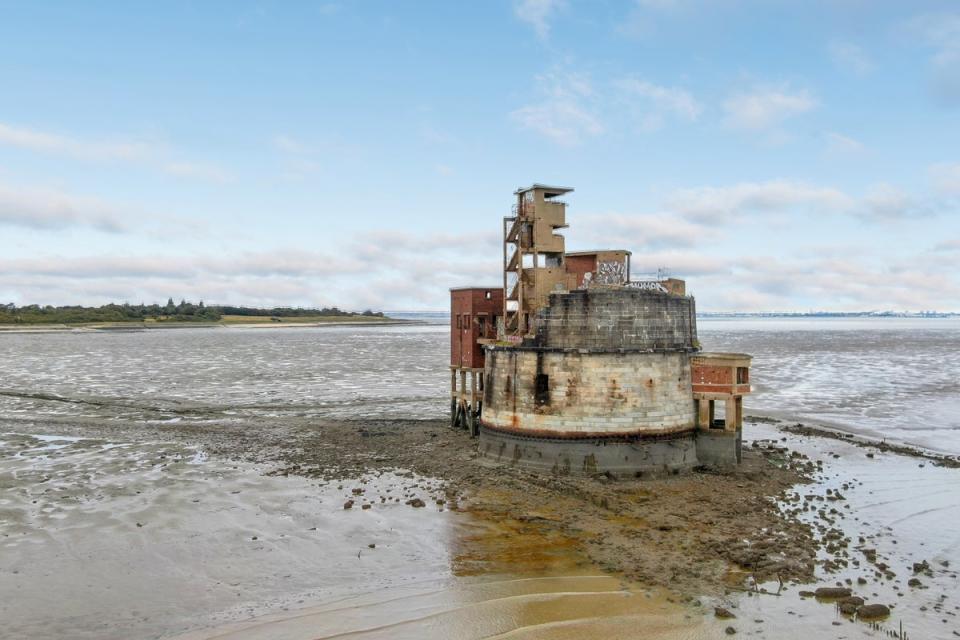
<point x="604" y="385"/>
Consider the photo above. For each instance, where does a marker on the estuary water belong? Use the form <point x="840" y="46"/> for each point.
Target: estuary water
<point x="891" y="378"/>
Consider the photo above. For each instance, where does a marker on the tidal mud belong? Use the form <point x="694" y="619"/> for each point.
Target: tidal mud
<point x="120" y="529"/>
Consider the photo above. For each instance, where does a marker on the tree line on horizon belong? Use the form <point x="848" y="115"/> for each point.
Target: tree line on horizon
<point x="170" y="312"/>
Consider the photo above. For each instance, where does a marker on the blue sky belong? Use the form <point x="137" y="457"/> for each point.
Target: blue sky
<point x="779" y="155"/>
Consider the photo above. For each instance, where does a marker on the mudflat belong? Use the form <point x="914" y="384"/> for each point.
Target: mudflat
<point x="305" y="528"/>
<point x="121" y="528"/>
<point x="679" y="531"/>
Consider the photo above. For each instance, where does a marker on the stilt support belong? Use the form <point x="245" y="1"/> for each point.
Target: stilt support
<point x="466" y="398"/>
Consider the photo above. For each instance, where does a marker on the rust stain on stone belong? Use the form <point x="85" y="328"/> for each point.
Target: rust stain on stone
<point x="614" y="392"/>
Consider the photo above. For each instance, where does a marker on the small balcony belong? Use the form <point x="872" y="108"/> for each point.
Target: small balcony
<point x="720" y="375"/>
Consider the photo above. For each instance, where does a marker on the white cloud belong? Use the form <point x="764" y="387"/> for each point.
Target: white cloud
<point x="764" y="108"/>
<point x="380" y="269"/>
<point x="537" y="13"/>
<point x="660" y="5"/>
<point x="568" y="109"/>
<point x="850" y="57"/>
<point x="564" y="122"/>
<point x="372" y="244"/>
<point x="52" y="209"/>
<point x="839" y="144"/>
<point x="431" y="134"/>
<point x="659" y="102"/>
<point x="289" y="144"/>
<point x="887" y="202"/>
<point x="731" y="204"/>
<point x="716" y="204"/>
<point x="948" y="245"/>
<point x="946" y="178"/>
<point x="681" y="263"/>
<point x="642" y="231"/>
<point x="398" y="269"/>
<point x="565" y="113"/>
<point x="842" y="283"/>
<point x="301" y="159"/>
<point x="758" y="282"/>
<point x="143" y="153"/>
<point x="52" y="143"/>
<point x="279" y="262"/>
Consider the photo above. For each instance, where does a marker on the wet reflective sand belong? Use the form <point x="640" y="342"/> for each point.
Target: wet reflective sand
<point x="562" y="607"/>
<point x="120" y="540"/>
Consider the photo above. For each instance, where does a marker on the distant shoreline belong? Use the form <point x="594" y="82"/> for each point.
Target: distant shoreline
<point x="88" y="327"/>
<point x="828" y="314"/>
<point x="713" y="315"/>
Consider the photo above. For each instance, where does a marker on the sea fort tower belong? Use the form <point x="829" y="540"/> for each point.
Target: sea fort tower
<point x="574" y="367"/>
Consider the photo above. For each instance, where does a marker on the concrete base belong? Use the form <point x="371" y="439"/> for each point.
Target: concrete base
<point x="719" y="448"/>
<point x="638" y="458"/>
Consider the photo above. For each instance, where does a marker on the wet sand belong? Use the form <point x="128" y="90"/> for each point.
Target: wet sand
<point x="117" y="530"/>
<point x="104" y="537"/>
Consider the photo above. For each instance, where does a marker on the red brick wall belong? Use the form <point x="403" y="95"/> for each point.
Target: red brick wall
<point x="580" y="265"/>
<point x="704" y="374"/>
<point x="467" y="307"/>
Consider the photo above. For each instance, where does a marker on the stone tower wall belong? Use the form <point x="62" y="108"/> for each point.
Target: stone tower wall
<point x="618" y="318"/>
<point x="604" y="386"/>
<point x="569" y="394"/>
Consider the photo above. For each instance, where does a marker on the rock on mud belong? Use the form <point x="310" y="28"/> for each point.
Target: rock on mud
<point x="828" y="593"/>
<point x="873" y="611"/>
<point x="850" y="605"/>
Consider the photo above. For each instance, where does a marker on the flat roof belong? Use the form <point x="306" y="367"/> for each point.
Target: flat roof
<point x="549" y="191"/>
<point x="593" y="253"/>
<point x="496" y="286"/>
<point x="720" y="355"/>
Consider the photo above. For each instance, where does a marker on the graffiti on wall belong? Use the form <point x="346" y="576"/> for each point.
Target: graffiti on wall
<point x="614" y="272"/>
<point x="647" y="285"/>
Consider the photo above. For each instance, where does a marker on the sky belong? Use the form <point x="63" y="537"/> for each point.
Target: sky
<point x="779" y="156"/>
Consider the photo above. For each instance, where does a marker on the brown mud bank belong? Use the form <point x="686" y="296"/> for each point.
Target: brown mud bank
<point x="117" y="529"/>
<point x="698" y="534"/>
